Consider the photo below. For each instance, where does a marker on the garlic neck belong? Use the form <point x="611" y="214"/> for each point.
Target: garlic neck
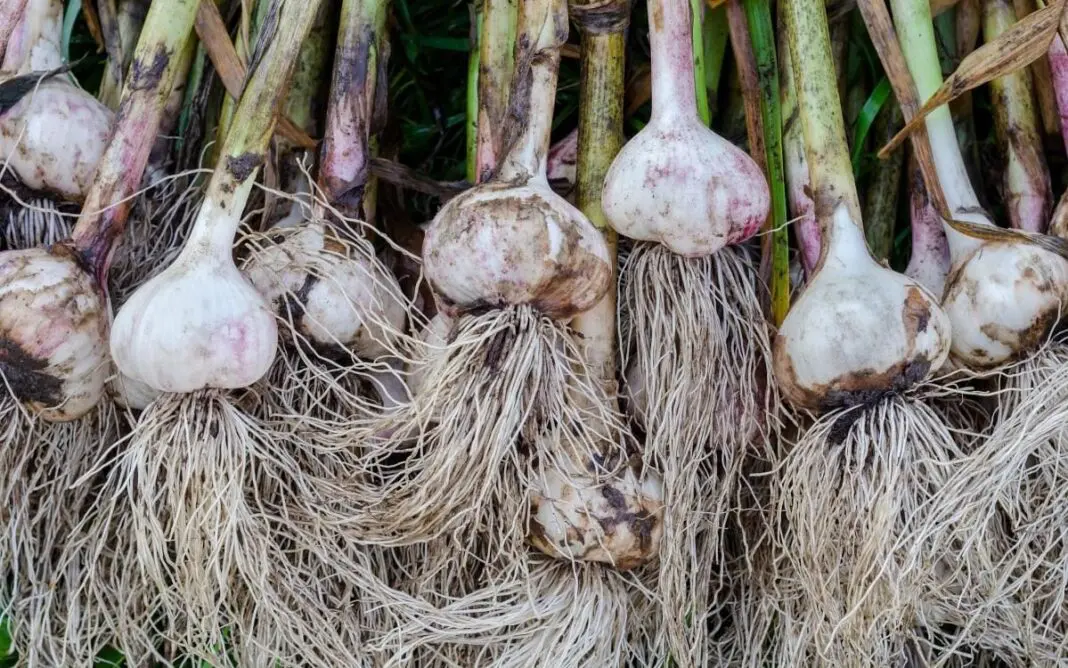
<point x="671" y="47"/>
<point x="912" y="19"/>
<point x="528" y="158"/>
<point x="846" y="248"/>
<point x="216" y="225"/>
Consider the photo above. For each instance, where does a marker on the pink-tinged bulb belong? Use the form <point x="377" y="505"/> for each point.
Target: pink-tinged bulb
<point x="500" y="244"/>
<point x="679" y="184"/>
<point x="54" y="137"/>
<point x="199" y="324"/>
<point x="53" y="333"/>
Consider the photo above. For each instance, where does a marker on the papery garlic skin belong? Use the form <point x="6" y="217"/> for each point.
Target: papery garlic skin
<point x="53" y="333"/>
<point x="618" y="521"/>
<point x="335" y="296"/>
<point x="1003" y="300"/>
<point x="130" y="393"/>
<point x="54" y="137"/>
<point x="198" y="324"/>
<point x="679" y="184"/>
<point x="506" y="244"/>
<point x="857" y="329"/>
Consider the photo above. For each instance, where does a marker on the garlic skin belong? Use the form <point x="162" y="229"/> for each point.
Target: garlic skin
<point x="680" y="184"/>
<point x="505" y="243"/>
<point x="130" y="393"/>
<point x="53" y="333"/>
<point x="199" y="323"/>
<point x="618" y="521"/>
<point x="54" y="137"/>
<point x="858" y="330"/>
<point x="335" y="296"/>
<point x="1003" y="299"/>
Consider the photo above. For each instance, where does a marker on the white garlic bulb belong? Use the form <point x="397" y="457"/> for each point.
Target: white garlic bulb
<point x="198" y="324"/>
<point x="54" y="137"/>
<point x="858" y="327"/>
<point x="335" y="294"/>
<point x="618" y="521"/>
<point x="513" y="241"/>
<point x="503" y="244"/>
<point x="53" y="332"/>
<point x="676" y="182"/>
<point x="1003" y="299"/>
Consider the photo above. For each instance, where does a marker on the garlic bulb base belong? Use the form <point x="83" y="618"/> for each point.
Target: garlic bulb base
<point x="53" y="332"/>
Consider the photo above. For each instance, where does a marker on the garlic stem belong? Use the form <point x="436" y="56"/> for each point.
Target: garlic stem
<point x="798" y="183"/>
<point x="543" y="25"/>
<point x="824" y="129"/>
<point x="253" y="125"/>
<point x="1058" y="64"/>
<point x="600" y="136"/>
<point x="929" y="261"/>
<point x="496" y="63"/>
<point x="166" y="34"/>
<point x="345" y="155"/>
<point x="1028" y="194"/>
<point x="671" y="48"/>
<point x="912" y="20"/>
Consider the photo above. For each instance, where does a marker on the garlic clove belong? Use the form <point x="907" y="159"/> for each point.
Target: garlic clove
<point x="858" y="330"/>
<point x="198" y="324"/>
<point x="1002" y="300"/>
<point x="502" y="244"/>
<point x="335" y="295"/>
<point x="680" y="184"/>
<point x="53" y="333"/>
<point x="54" y="137"/>
<point x="617" y="521"/>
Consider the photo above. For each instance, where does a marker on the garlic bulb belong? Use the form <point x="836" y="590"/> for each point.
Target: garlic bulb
<point x="515" y="243"/>
<point x="53" y="329"/>
<point x="1003" y="293"/>
<point x="858" y="329"/>
<point x="198" y="324"/>
<point x="676" y="182"/>
<point x="1002" y="299"/>
<point x="334" y="295"/>
<point x="513" y="240"/>
<point x="54" y="137"/>
<point x="618" y="521"/>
